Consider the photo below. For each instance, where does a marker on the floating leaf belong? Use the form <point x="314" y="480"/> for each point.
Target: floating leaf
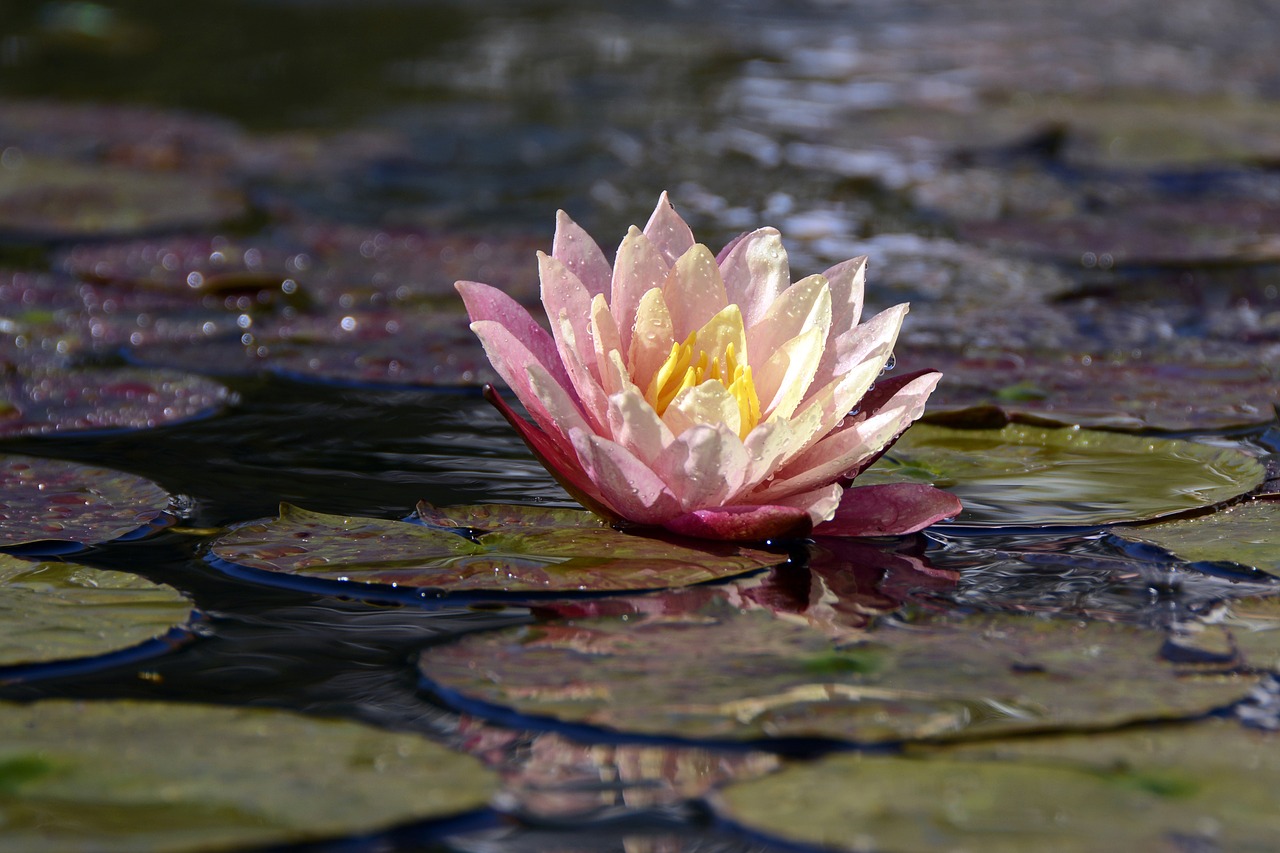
<point x="53" y="400"/>
<point x="1254" y="626"/>
<point x="723" y="673"/>
<point x="1070" y="390"/>
<point x="1248" y="534"/>
<point x="1210" y="785"/>
<point x="50" y="611"/>
<point x="51" y="199"/>
<point x="125" y="776"/>
<point x="49" y="500"/>
<point x="1030" y="476"/>
<point x="534" y="549"/>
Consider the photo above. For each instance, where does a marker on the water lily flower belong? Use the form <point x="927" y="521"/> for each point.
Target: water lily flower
<point x="708" y="394"/>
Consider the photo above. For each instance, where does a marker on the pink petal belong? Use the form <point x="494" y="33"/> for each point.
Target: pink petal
<point x="889" y="509"/>
<point x="511" y="360"/>
<point x="669" y="233"/>
<point x="623" y="480"/>
<point x="908" y="389"/>
<point x="488" y="303"/>
<point x="873" y="339"/>
<point x="847" y="280"/>
<point x="569" y="310"/>
<point x="803" y="305"/>
<point x="561" y="465"/>
<point x="742" y="523"/>
<point x="574" y="248"/>
<point x="639" y="268"/>
<point x="635" y="425"/>
<point x="756" y="272"/>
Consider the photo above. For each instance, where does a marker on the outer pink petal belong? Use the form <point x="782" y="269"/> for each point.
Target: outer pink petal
<point x="756" y="272"/>
<point x="847" y="280"/>
<point x="574" y="248"/>
<point x="639" y="268"/>
<point x="560" y="463"/>
<point x="909" y="390"/>
<point x="889" y="509"/>
<point x="569" y="310"/>
<point x="624" y="481"/>
<point x="667" y="231"/>
<point x="742" y="523"/>
<point x="511" y="359"/>
<point x="488" y="303"/>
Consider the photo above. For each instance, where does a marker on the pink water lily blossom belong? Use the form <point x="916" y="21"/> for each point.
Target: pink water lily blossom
<point x="708" y="394"/>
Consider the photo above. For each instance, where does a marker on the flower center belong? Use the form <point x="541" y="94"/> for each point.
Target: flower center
<point x="681" y="370"/>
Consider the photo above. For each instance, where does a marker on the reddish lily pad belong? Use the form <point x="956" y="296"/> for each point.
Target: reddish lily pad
<point x="53" y="401"/>
<point x="52" y="611"/>
<point x="1026" y="476"/>
<point x="543" y="550"/>
<point x="724" y="673"/>
<point x="1071" y="390"/>
<point x="48" y="500"/>
<point x="126" y="776"/>
<point x="1211" y="785"/>
<point x="1248" y="534"/>
<point x="61" y="200"/>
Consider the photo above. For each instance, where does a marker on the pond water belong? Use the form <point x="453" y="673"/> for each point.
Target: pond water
<point x="228" y="237"/>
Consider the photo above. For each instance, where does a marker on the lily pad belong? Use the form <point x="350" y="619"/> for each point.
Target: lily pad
<point x="1026" y="476"/>
<point x="51" y="199"/>
<point x="51" y="611"/>
<point x="1211" y="785"/>
<point x="519" y="549"/>
<point x="1076" y="391"/>
<point x="1248" y="534"/>
<point x="1254" y="626"/>
<point x="52" y="400"/>
<point x="724" y="673"/>
<point x="73" y="777"/>
<point x="49" y="500"/>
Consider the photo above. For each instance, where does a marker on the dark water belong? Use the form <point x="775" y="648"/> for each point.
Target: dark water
<point x="1028" y="173"/>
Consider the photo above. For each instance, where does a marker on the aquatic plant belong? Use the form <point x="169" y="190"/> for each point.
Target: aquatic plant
<point x="708" y="394"/>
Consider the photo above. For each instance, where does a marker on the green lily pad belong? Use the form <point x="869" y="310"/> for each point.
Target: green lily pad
<point x="132" y="776"/>
<point x="1028" y="476"/>
<point x="723" y="673"/>
<point x="49" y="500"/>
<point x="1248" y="534"/>
<point x="532" y="549"/>
<point x="51" y="611"/>
<point x="57" y="400"/>
<point x="1211" y="785"/>
<point x="60" y="200"/>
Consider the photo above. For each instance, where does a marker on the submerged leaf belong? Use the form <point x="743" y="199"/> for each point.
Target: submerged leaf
<point x="126" y="776"/>
<point x="1035" y="477"/>
<point x="519" y="549"/>
<point x="720" y="672"/>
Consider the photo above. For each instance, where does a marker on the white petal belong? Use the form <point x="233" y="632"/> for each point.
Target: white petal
<point x="694" y="291"/>
<point x="873" y="339"/>
<point x="785" y="378"/>
<point x="604" y="337"/>
<point x="708" y="403"/>
<point x="847" y="280"/>
<point x="820" y="413"/>
<point x="829" y="458"/>
<point x="636" y="426"/>
<point x="704" y="466"/>
<point x="803" y="305"/>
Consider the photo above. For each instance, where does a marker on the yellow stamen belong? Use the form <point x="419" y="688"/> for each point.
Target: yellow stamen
<point x="681" y="371"/>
